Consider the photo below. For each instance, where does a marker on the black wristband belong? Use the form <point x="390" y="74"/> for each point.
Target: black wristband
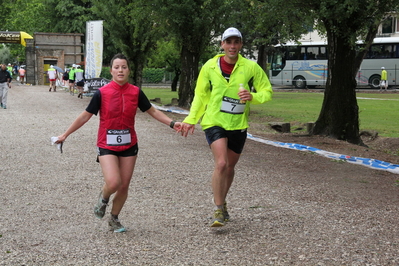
<point x="172" y="124"/>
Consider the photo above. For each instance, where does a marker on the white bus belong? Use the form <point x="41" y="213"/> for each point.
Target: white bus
<point x="305" y="65"/>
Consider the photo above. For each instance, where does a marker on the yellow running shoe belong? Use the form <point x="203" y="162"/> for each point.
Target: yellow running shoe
<point x="218" y="218"/>
<point x="225" y="213"/>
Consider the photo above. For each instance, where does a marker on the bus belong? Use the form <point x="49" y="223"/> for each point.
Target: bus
<point x="304" y="65"/>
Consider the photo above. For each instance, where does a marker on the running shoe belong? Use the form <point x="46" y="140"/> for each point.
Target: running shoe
<point x="225" y="213"/>
<point x="116" y="226"/>
<point x="99" y="209"/>
<point x="218" y="218"/>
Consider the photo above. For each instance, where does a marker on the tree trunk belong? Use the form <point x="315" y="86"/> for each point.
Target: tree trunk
<point x="175" y="79"/>
<point x="262" y="57"/>
<point x="188" y="77"/>
<point x="339" y="116"/>
<point x="137" y="74"/>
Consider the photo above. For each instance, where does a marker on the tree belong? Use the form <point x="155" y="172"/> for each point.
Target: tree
<point x="5" y="55"/>
<point x="26" y="16"/>
<point x="132" y="29"/>
<point x="69" y="16"/>
<point x="345" y="21"/>
<point x="265" y="23"/>
<point x="166" y="55"/>
<point x="192" y="24"/>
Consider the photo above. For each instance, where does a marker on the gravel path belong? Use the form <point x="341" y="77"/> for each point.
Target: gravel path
<point x="287" y="207"/>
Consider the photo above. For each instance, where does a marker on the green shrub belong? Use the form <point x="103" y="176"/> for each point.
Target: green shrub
<point x="105" y="73"/>
<point x="153" y="75"/>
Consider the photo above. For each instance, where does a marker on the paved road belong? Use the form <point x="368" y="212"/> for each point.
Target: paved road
<point x="287" y="207"/>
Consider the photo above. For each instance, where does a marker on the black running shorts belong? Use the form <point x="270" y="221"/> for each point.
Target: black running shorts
<point x="235" y="138"/>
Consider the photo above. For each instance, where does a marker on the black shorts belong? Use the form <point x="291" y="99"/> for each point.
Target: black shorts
<point x="71" y="81"/>
<point x="126" y="153"/>
<point x="235" y="138"/>
<point x="80" y="83"/>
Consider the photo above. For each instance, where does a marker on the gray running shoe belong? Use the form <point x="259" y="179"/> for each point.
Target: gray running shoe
<point x="225" y="213"/>
<point x="99" y="209"/>
<point x="218" y="218"/>
<point x="116" y="226"/>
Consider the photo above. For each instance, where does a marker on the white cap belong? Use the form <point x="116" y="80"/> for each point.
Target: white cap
<point x="51" y="66"/>
<point x="73" y="65"/>
<point x="230" y="32"/>
<point x="382" y="67"/>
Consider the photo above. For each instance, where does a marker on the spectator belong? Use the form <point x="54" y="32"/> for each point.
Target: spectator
<point x="72" y="79"/>
<point x="384" y="79"/>
<point x="52" y="76"/>
<point x="80" y="80"/>
<point x="5" y="84"/>
<point x="22" y="73"/>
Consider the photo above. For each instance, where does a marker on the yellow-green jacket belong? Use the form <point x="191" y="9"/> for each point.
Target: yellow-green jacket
<point x="72" y="74"/>
<point x="384" y="74"/>
<point x="215" y="97"/>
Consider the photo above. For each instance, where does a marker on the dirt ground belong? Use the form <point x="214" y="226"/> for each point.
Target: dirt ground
<point x="287" y="207"/>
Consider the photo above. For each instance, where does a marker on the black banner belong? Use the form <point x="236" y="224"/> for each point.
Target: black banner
<point x="10" y="37"/>
<point x="91" y="85"/>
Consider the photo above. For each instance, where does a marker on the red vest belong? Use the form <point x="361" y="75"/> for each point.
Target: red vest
<point x="117" y="116"/>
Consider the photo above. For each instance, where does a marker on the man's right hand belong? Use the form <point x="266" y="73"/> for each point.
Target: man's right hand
<point x="187" y="128"/>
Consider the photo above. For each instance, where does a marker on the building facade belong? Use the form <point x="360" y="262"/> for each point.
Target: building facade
<point x="45" y="49"/>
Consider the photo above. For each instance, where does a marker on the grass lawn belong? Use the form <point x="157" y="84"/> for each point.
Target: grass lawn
<point x="378" y="111"/>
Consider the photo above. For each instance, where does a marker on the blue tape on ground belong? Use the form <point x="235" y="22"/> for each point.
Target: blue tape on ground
<point x="371" y="163"/>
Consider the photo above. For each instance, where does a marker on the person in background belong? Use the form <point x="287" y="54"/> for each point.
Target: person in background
<point x="222" y="101"/>
<point x="65" y="77"/>
<point x="9" y="68"/>
<point x="15" y="69"/>
<point x="22" y="72"/>
<point x="5" y="84"/>
<point x="384" y="79"/>
<point x="80" y="80"/>
<point x="72" y="79"/>
<point x="117" y="147"/>
<point x="52" y="77"/>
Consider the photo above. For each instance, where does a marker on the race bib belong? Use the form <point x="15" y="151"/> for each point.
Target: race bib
<point x="232" y="106"/>
<point x="118" y="137"/>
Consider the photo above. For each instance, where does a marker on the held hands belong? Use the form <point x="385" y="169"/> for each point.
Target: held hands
<point x="186" y="128"/>
<point x="176" y="126"/>
<point x="182" y="128"/>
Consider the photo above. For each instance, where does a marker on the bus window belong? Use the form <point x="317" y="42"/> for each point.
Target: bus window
<point x="312" y="52"/>
<point x="294" y="53"/>
<point x="376" y="51"/>
<point x="322" y="53"/>
<point x="395" y="52"/>
<point x="277" y="62"/>
<point x="303" y="54"/>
